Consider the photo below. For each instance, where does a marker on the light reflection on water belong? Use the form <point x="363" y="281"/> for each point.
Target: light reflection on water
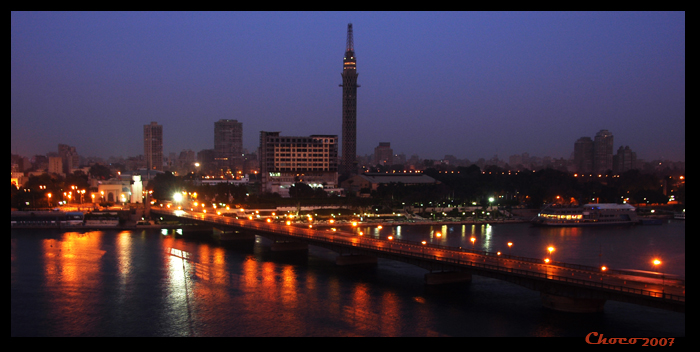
<point x="142" y="283"/>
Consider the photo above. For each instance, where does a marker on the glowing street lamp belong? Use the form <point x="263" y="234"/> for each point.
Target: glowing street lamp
<point x="656" y="263"/>
<point x="550" y="249"/>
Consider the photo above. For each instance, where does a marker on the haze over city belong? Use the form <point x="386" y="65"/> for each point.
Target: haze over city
<point x="468" y="84"/>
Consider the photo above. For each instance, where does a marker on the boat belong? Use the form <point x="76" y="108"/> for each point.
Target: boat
<point x="679" y="216"/>
<point x="587" y="214"/>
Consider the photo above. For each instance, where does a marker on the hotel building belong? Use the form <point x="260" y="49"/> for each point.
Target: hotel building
<point x="285" y="160"/>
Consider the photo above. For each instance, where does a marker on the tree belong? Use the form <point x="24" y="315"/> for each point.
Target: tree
<point x="165" y="185"/>
<point x="301" y="190"/>
<point x="100" y="172"/>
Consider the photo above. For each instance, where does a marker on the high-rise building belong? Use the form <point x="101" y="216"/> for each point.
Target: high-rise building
<point x="602" y="151"/>
<point x="383" y="154"/>
<point x="153" y="146"/>
<point x="348" y="163"/>
<point x="285" y="160"/>
<point x="624" y="160"/>
<point x="583" y="155"/>
<point x="55" y="165"/>
<point x="228" y="144"/>
<point x="69" y="156"/>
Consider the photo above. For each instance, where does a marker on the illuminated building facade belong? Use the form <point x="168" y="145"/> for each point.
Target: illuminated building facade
<point x="286" y="160"/>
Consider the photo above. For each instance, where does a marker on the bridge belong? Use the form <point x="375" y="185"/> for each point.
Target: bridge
<point x="562" y="286"/>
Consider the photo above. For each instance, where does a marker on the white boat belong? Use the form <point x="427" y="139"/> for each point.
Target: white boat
<point x="587" y="214"/>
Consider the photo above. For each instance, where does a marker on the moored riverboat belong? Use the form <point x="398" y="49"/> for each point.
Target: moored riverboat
<point x="587" y="214"/>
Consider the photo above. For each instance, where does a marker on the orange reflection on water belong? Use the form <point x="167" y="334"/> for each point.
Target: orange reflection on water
<point x="272" y="294"/>
<point x="390" y="315"/>
<point x="207" y="283"/>
<point x="124" y="255"/>
<point x="569" y="231"/>
<point x="360" y="313"/>
<point x="73" y="259"/>
<point x="72" y="273"/>
<point x="373" y="316"/>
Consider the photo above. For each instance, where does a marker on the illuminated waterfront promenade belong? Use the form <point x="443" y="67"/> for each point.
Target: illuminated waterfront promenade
<point x="563" y="286"/>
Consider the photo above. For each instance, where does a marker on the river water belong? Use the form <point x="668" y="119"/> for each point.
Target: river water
<point x="160" y="283"/>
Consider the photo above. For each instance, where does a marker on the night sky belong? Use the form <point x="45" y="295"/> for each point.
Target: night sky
<point x="469" y="84"/>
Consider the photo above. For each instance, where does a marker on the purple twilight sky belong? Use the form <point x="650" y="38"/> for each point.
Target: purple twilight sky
<point x="469" y="84"/>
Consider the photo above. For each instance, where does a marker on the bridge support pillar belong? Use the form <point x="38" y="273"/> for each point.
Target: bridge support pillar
<point x="233" y="235"/>
<point x="289" y="246"/>
<point x="572" y="305"/>
<point x="447" y="277"/>
<point x="355" y="259"/>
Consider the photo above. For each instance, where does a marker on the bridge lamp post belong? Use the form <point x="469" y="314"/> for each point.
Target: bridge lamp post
<point x="177" y="197"/>
<point x="603" y="269"/>
<point x="550" y="249"/>
<point x="472" y="239"/>
<point x="510" y="244"/>
<point x="656" y="263"/>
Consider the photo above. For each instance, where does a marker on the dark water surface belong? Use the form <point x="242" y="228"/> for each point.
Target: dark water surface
<point x="144" y="283"/>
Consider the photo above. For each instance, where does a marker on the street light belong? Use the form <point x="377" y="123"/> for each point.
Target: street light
<point x="510" y="244"/>
<point x="177" y="197"/>
<point x="656" y="263"/>
<point x="550" y="249"/>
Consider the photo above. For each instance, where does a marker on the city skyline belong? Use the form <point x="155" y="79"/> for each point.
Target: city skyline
<point x="471" y="85"/>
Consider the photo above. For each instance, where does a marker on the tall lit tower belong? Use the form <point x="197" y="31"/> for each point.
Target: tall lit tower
<point x="348" y="163"/>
